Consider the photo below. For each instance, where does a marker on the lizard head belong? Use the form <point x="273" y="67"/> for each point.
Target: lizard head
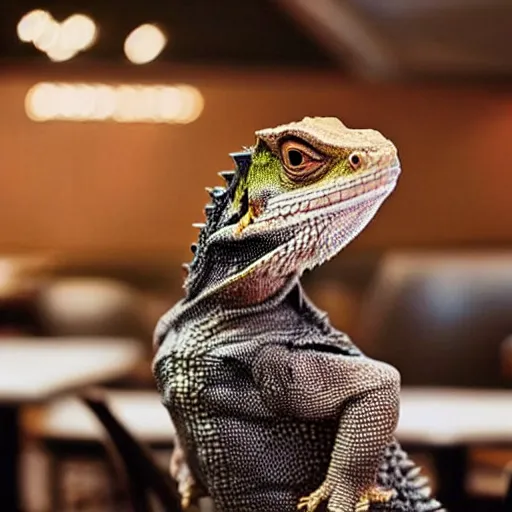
<point x="301" y="194"/>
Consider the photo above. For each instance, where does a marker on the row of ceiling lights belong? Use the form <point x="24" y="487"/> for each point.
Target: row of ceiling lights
<point x="61" y="41"/>
<point x="126" y="103"/>
<point x="51" y="101"/>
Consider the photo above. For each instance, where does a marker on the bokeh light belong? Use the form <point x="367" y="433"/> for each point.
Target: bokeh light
<point x="60" y="41"/>
<point x="144" y="44"/>
<point x="122" y="103"/>
<point x="78" y="32"/>
<point x="32" y="25"/>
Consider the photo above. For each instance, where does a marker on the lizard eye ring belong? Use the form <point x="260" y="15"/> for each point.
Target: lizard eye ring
<point x="355" y="160"/>
<point x="299" y="160"/>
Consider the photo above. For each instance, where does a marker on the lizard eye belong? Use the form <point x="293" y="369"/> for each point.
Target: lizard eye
<point x="300" y="160"/>
<point x="295" y="157"/>
<point x="355" y="160"/>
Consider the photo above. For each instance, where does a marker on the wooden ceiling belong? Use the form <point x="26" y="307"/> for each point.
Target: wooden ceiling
<point x="392" y="39"/>
<point x="412" y="38"/>
<point x="226" y="32"/>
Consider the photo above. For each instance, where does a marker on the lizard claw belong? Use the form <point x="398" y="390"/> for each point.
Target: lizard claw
<point x="187" y="487"/>
<point x="373" y="495"/>
<point x="311" y="502"/>
<point x="186" y="490"/>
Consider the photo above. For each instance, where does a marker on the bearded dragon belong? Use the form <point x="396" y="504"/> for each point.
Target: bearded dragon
<point x="276" y="410"/>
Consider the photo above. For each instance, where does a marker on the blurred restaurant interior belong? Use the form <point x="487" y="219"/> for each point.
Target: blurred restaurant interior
<point x="116" y="115"/>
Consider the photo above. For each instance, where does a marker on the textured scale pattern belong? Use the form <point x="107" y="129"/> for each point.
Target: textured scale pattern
<point x="273" y="407"/>
<point x="250" y="456"/>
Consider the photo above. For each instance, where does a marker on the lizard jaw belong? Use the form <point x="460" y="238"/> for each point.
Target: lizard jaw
<point x="305" y="239"/>
<point x="296" y="208"/>
<point x="344" y="193"/>
<point x="312" y="238"/>
<point x="343" y="196"/>
<point x="323" y="228"/>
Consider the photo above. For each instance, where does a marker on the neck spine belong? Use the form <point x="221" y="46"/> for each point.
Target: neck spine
<point x="202" y="267"/>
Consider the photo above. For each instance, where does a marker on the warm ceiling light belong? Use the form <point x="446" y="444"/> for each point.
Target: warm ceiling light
<point x="60" y="41"/>
<point x="41" y="101"/>
<point x="122" y="103"/>
<point x="32" y="25"/>
<point x="144" y="44"/>
<point x="59" y="53"/>
<point x="78" y="32"/>
<point x="48" y="37"/>
<point x="192" y="104"/>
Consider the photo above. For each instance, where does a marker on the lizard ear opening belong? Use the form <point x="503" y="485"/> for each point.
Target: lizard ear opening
<point x="299" y="160"/>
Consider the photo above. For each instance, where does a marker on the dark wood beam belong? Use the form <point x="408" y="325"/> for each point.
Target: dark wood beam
<point x="346" y="35"/>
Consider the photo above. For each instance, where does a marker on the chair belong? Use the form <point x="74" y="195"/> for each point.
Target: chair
<point x="142" y="474"/>
<point x="440" y="318"/>
<point x="67" y="429"/>
<point x="89" y="306"/>
<point x="506" y="353"/>
<point x="507" y="504"/>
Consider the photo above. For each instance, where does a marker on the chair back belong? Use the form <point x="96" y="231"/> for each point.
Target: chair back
<point x="441" y="318"/>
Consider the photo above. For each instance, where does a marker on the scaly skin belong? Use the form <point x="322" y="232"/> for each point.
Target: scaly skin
<point x="274" y="408"/>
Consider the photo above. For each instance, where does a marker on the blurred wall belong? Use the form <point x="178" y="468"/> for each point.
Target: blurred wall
<point x="135" y="189"/>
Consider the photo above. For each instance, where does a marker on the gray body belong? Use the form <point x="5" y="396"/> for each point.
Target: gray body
<point x="246" y="439"/>
<point x="276" y="410"/>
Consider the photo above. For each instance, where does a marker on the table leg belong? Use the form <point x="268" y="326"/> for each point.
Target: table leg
<point x="508" y="495"/>
<point x="451" y="468"/>
<point x="9" y="459"/>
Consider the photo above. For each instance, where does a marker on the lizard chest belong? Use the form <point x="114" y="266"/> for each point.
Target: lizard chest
<point x="187" y="379"/>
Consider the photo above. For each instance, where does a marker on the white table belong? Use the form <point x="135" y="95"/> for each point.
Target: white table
<point x="429" y="416"/>
<point x="141" y="412"/>
<point x="447" y="422"/>
<point x="449" y="416"/>
<point x="443" y="421"/>
<point x="35" y="369"/>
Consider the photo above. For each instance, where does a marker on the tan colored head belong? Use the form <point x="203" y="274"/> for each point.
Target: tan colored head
<point x="307" y="189"/>
<point x="328" y="134"/>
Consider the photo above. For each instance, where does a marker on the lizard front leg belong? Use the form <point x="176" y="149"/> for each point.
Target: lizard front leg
<point x="362" y="394"/>
<point x="366" y="425"/>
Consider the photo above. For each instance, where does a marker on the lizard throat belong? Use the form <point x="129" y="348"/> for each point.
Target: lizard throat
<point x="296" y="233"/>
<point x="308" y="240"/>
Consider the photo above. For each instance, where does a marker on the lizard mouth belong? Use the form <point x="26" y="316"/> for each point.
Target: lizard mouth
<point x="281" y="216"/>
<point x="302" y="230"/>
<point x="337" y="197"/>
